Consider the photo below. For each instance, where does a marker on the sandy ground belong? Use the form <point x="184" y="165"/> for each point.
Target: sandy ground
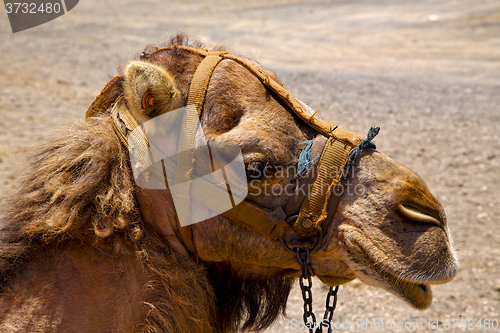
<point x="427" y="72"/>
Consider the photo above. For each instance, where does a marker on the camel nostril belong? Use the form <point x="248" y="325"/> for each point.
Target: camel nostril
<point x="418" y="215"/>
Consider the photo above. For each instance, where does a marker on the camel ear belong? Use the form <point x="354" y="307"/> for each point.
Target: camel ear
<point x="150" y="90"/>
<point x="106" y="98"/>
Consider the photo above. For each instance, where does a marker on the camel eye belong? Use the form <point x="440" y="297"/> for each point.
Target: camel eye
<point x="255" y="170"/>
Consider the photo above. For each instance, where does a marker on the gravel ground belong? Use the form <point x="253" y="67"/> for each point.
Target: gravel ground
<point x="427" y="72"/>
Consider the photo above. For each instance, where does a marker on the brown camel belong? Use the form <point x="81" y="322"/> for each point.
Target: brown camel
<point x="83" y="248"/>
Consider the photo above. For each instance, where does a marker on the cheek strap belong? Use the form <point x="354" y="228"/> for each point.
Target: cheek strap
<point x="314" y="211"/>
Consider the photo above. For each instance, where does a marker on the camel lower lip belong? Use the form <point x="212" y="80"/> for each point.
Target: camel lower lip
<point x="415" y="293"/>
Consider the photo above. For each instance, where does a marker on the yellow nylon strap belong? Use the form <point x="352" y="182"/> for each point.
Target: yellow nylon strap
<point x="201" y="79"/>
<point x="124" y="125"/>
<point x="330" y="166"/>
<point x="196" y="99"/>
<point x="259" y="219"/>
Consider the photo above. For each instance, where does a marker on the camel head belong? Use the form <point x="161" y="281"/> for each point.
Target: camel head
<point x="387" y="230"/>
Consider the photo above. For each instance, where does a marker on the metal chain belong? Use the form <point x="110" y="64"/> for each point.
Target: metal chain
<point x="330" y="309"/>
<point x="303" y="256"/>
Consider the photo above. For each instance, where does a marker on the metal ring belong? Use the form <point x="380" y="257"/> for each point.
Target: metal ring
<point x="314" y="249"/>
<point x="291" y="218"/>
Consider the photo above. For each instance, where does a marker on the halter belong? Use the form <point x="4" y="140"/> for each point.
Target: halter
<point x="338" y="147"/>
<point x="334" y="144"/>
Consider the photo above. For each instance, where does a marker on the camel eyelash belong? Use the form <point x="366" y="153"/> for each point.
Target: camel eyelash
<point x="258" y="169"/>
<point x="255" y="169"/>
